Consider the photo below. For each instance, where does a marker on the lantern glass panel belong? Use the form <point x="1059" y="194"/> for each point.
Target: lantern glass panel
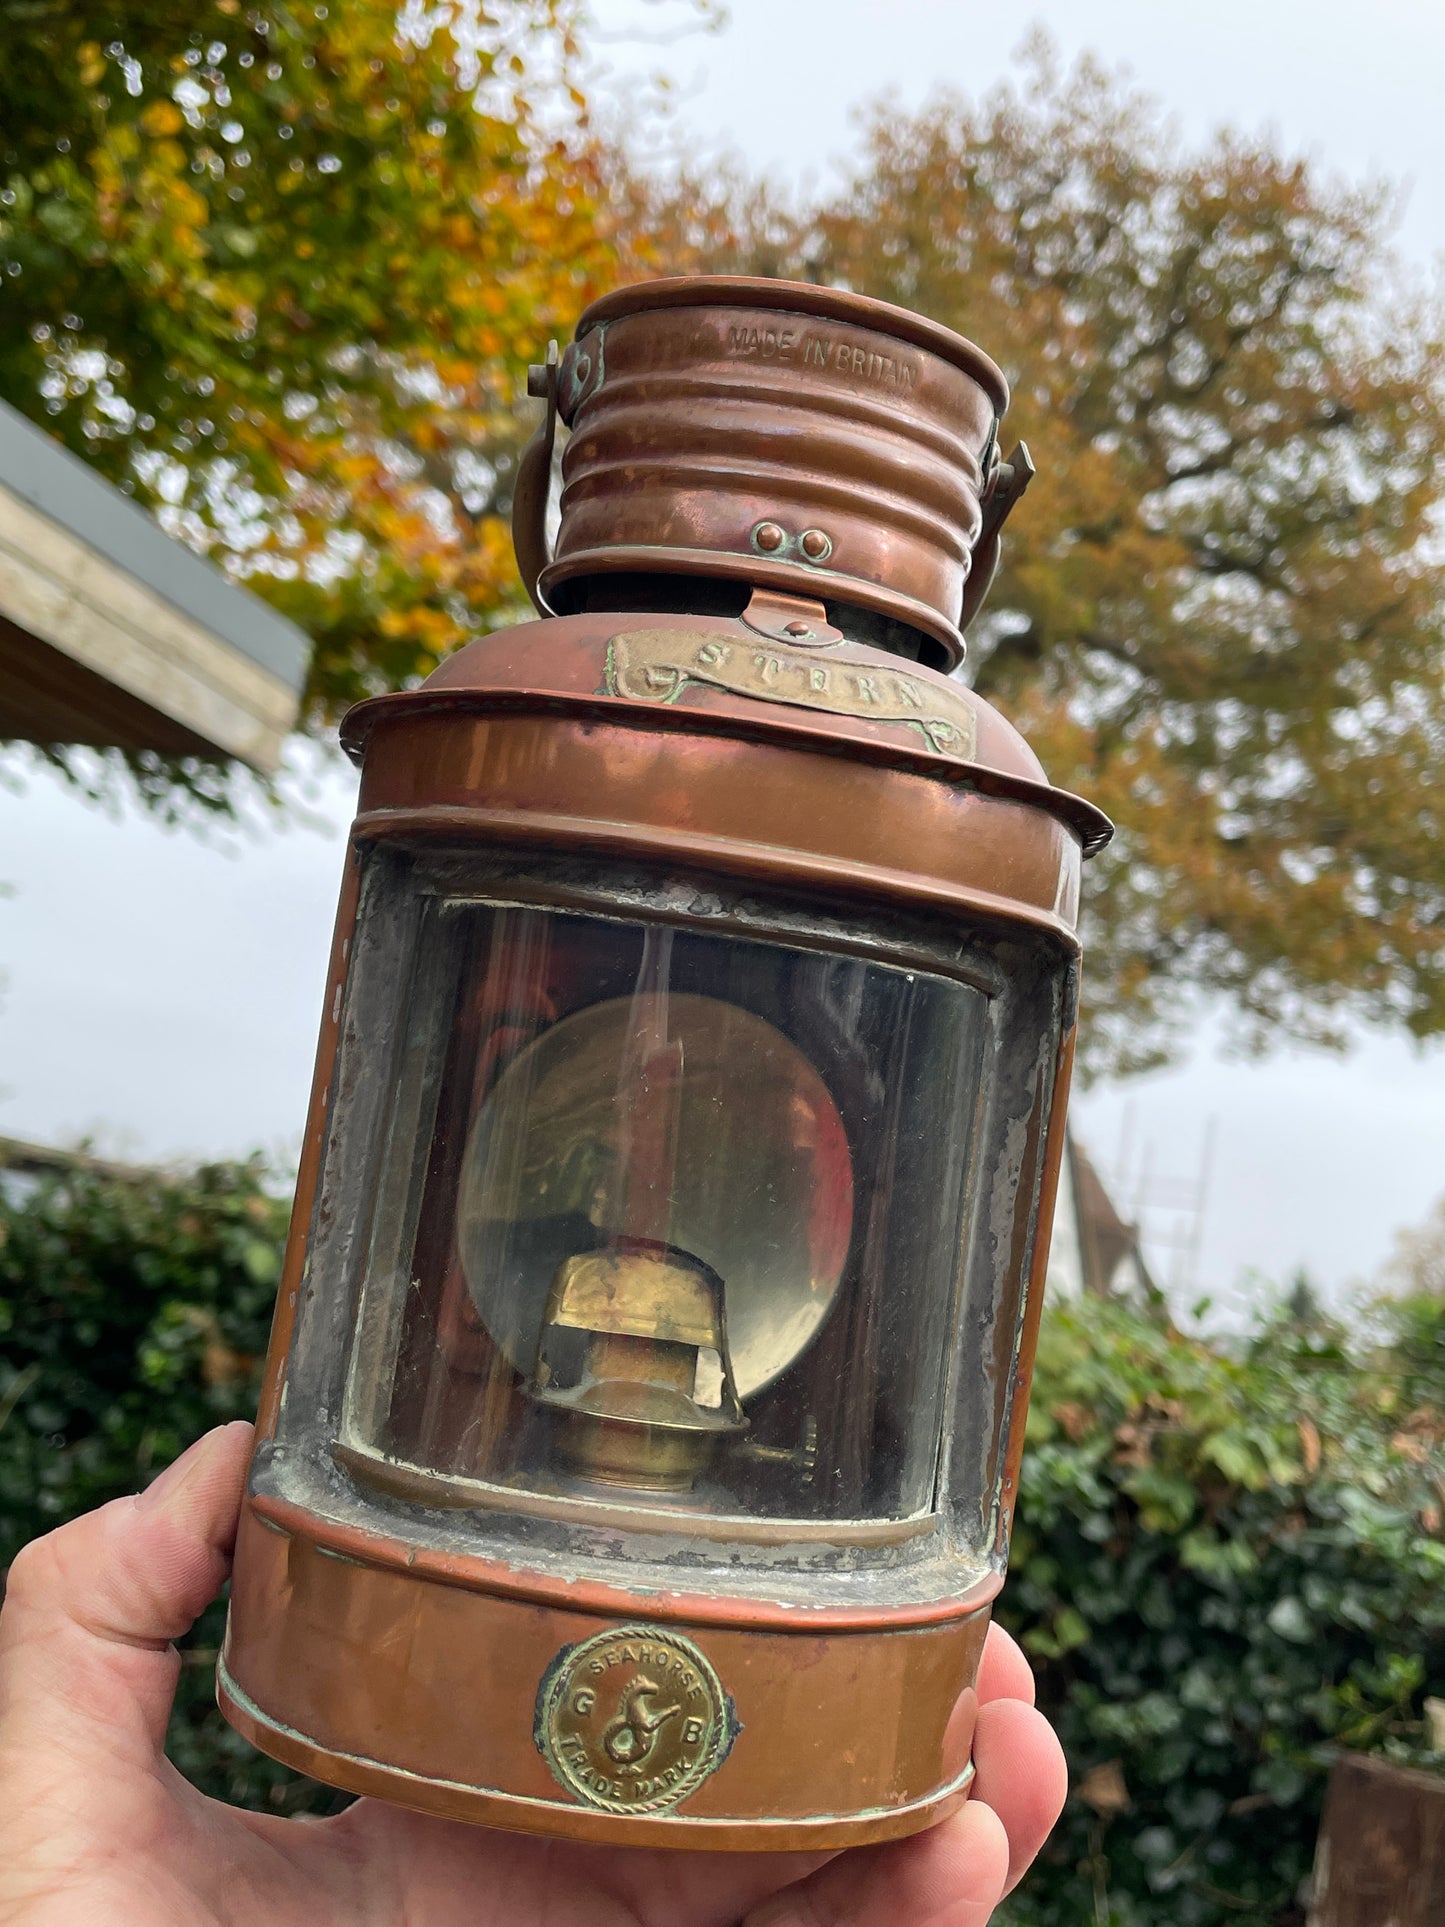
<point x="665" y="1218"/>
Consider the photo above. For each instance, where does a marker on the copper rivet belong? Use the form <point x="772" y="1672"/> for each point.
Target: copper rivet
<point x="797" y="629"/>
<point x="814" y="544"/>
<point x="769" y="536"/>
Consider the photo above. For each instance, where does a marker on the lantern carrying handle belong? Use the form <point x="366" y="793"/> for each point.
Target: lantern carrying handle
<point x="534" y="482"/>
<point x="1006" y="483"/>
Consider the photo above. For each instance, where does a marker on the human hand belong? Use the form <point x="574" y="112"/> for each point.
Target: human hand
<point x="97" y="1827"/>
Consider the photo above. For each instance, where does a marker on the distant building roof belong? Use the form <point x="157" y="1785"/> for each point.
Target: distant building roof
<point x="1095" y="1252"/>
<point x="113" y="634"/>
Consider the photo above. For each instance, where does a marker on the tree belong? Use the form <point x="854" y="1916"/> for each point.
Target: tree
<point x="278" y="270"/>
<point x="1220" y="613"/>
<point x="1416" y="1266"/>
<point x="280" y="274"/>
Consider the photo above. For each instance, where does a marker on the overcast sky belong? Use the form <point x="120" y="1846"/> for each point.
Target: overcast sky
<point x="1359" y="88"/>
<point x="163" y="994"/>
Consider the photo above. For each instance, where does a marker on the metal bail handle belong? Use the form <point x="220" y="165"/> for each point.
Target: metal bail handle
<point x="534" y="482"/>
<point x="1007" y="484"/>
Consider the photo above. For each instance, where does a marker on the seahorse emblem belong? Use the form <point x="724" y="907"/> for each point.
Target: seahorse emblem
<point x="630" y="1737"/>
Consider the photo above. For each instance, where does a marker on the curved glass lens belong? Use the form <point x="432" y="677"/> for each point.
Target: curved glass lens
<point x="688" y="1121"/>
<point x="664" y="1217"/>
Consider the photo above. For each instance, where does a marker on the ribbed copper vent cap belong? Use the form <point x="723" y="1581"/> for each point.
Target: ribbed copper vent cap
<point x="801" y="437"/>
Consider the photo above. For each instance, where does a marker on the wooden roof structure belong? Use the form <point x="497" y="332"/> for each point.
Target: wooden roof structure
<point x="112" y="634"/>
<point x="1096" y="1252"/>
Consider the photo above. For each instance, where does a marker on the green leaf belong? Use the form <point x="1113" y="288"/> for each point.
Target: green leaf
<point x="1237" y="1457"/>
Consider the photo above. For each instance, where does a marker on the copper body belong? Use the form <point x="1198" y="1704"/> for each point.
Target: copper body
<point x="380" y="1663"/>
<point x="422" y="1690"/>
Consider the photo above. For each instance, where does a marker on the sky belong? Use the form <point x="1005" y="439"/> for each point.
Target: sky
<point x="781" y="86"/>
<point x="161" y="994"/>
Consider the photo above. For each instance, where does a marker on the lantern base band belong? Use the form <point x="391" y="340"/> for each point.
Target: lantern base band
<point x="547" y="1718"/>
<point x="480" y="1806"/>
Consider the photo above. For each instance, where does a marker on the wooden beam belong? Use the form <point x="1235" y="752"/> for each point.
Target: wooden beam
<point x="177" y="685"/>
<point x="39" y="1160"/>
<point x="46" y="696"/>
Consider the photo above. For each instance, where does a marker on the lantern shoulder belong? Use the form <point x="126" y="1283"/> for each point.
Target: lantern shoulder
<point x="844" y="697"/>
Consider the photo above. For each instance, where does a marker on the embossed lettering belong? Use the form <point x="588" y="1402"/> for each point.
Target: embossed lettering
<point x="822" y="351"/>
<point x="630" y="1742"/>
<point x="762" y="344"/>
<point x="666" y="666"/>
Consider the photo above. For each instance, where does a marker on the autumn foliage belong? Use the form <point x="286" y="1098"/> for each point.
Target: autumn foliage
<point x="280" y="271"/>
<point x="1221" y="609"/>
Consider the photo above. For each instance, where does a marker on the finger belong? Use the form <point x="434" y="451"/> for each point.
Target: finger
<point x="1021" y="1776"/>
<point x="1004" y="1673"/>
<point x="92" y="1608"/>
<point x="951" y="1876"/>
<point x="439" y="1864"/>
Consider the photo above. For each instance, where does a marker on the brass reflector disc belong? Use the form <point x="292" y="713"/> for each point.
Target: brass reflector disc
<point x="761" y="1180"/>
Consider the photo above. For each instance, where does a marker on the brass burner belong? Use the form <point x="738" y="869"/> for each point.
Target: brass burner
<point x="652" y="1390"/>
<point x="548" y="1144"/>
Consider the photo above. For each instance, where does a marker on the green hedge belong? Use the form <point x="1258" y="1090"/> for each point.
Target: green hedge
<point x="1225" y="1566"/>
<point x="133" y="1317"/>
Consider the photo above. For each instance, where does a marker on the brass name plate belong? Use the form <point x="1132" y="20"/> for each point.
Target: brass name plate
<point x="633" y="1720"/>
<point x="660" y="665"/>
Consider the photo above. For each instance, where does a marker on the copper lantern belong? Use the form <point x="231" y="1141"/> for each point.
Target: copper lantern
<point x="645" y="1401"/>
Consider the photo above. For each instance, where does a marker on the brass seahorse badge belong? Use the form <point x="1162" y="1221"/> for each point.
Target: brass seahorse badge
<point x="633" y="1719"/>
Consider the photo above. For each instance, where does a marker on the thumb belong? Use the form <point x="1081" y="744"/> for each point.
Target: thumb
<point x="92" y="1608"/>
